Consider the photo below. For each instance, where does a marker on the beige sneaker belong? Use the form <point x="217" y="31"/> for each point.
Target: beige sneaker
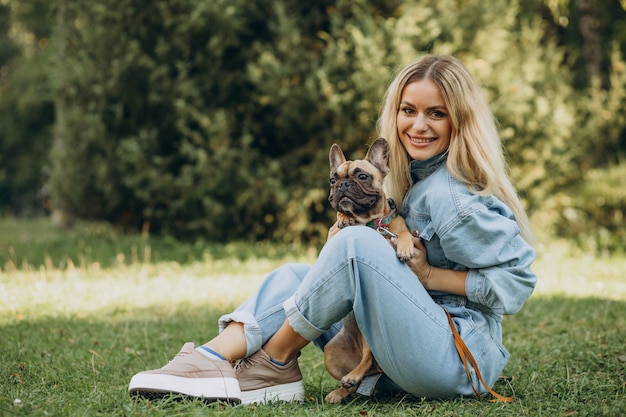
<point x="192" y="374"/>
<point x="263" y="381"/>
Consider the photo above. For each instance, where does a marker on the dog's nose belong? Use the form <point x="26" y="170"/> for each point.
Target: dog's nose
<point x="345" y="184"/>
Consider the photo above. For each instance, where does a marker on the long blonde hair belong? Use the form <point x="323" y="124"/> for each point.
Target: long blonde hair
<point x="475" y="154"/>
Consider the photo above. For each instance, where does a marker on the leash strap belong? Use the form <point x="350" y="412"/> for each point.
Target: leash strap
<point x="466" y="356"/>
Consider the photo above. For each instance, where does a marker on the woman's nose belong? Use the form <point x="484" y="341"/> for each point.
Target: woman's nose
<point x="420" y="123"/>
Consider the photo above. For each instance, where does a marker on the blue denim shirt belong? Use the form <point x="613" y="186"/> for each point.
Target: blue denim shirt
<point x="467" y="232"/>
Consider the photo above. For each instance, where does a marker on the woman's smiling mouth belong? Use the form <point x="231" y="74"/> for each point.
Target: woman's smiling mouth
<point x="419" y="141"/>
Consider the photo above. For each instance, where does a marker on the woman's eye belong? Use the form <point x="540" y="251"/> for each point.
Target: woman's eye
<point x="407" y="110"/>
<point x="438" y="114"/>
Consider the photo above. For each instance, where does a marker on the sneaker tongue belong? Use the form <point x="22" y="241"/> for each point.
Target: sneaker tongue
<point x="187" y="348"/>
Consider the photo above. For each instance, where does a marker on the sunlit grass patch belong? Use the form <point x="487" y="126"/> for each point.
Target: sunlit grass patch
<point x="571" y="273"/>
<point x="31" y="295"/>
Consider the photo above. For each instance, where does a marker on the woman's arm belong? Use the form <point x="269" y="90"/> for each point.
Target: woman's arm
<point x="498" y="262"/>
<point x="436" y="279"/>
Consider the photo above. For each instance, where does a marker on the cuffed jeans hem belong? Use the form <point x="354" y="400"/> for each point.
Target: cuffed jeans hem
<point x="251" y="329"/>
<point x="299" y="323"/>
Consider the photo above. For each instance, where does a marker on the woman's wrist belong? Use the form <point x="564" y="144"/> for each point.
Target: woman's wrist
<point x="425" y="276"/>
<point x="445" y="280"/>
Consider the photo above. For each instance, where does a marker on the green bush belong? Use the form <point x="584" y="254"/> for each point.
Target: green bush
<point x="214" y="119"/>
<point x="593" y="214"/>
<point x="26" y="112"/>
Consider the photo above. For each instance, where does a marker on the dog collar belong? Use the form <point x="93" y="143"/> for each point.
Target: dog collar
<point x="384" y="222"/>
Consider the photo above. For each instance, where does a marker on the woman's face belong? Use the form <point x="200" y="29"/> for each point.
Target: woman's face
<point x="424" y="126"/>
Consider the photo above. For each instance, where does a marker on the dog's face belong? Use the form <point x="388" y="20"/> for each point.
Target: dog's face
<point x="356" y="187"/>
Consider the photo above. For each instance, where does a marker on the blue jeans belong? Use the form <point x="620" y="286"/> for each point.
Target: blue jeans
<point x="407" y="331"/>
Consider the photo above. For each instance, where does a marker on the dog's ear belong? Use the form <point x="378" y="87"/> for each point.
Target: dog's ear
<point x="335" y="157"/>
<point x="378" y="155"/>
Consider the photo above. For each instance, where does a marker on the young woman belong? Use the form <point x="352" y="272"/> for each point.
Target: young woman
<point x="473" y="261"/>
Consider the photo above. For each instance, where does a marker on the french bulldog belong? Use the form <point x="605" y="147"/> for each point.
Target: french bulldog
<point x="356" y="193"/>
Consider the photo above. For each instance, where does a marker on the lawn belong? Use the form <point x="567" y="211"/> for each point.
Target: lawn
<point x="81" y="311"/>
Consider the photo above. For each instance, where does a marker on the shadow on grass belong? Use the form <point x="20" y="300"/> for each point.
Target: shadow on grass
<point x="567" y="358"/>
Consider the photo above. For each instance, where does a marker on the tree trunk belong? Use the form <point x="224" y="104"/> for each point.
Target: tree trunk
<point x="591" y="46"/>
<point x="60" y="216"/>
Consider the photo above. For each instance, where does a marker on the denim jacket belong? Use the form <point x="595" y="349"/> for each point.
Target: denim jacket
<point x="467" y="232"/>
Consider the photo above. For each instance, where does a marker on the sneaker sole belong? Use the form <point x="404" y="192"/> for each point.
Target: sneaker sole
<point x="286" y="392"/>
<point x="206" y="389"/>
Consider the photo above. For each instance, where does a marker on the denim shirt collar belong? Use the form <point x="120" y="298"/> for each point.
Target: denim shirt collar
<point x="422" y="169"/>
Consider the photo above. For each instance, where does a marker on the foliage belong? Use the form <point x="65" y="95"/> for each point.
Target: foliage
<point x="26" y="110"/>
<point x="584" y="28"/>
<point x="214" y="119"/>
<point x="154" y="105"/>
<point x="593" y="215"/>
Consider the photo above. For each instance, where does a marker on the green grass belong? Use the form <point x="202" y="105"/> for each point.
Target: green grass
<point x="75" y="326"/>
<point x="36" y="244"/>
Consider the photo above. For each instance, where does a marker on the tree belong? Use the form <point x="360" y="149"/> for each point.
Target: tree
<point x="26" y="109"/>
<point x="215" y="118"/>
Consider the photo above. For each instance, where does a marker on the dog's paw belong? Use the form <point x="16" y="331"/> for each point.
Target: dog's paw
<point x="405" y="248"/>
<point x="405" y="254"/>
<point x="350" y="383"/>
<point x="337" y="396"/>
<point x="343" y="220"/>
<point x="346" y="222"/>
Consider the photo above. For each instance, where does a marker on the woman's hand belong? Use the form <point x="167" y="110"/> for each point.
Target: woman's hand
<point x="419" y="263"/>
<point x="436" y="279"/>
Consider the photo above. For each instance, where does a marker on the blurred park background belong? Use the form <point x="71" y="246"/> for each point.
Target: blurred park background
<point x="213" y="119"/>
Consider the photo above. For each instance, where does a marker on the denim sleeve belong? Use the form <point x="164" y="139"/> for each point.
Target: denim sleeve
<point x="498" y="258"/>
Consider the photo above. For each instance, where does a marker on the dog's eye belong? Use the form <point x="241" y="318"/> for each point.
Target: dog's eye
<point x="333" y="181"/>
<point x="363" y="177"/>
